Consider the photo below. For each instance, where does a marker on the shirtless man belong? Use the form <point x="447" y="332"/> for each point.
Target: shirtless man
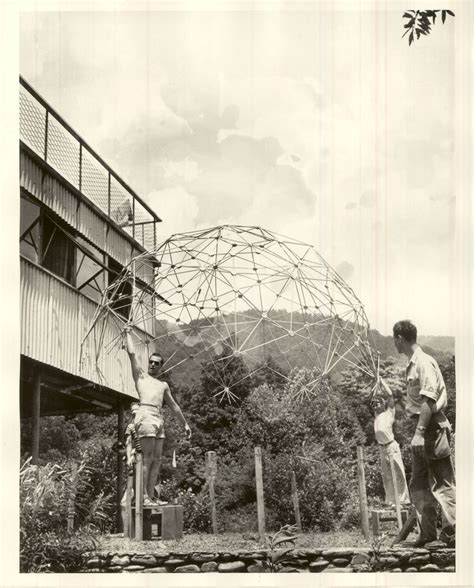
<point x="149" y="417"/>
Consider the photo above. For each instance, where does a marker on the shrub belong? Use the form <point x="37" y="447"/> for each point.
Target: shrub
<point x="45" y="498"/>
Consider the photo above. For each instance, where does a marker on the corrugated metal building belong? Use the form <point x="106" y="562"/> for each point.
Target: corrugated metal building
<point x="80" y="224"/>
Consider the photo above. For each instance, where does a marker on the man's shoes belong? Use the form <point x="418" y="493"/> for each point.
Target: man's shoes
<point x="148" y="502"/>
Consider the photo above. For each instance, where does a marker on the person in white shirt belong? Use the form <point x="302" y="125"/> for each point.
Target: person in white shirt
<point x="384" y="410"/>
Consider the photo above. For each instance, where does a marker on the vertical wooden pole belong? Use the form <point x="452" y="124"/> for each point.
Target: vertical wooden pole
<point x="139" y="497"/>
<point x="296" y="504"/>
<point x="72" y="499"/>
<point x="35" y="417"/>
<point x="395" y="492"/>
<point x="364" y="513"/>
<point x="260" y="499"/>
<point x="127" y="531"/>
<point x="211" y="470"/>
<point x="120" y="464"/>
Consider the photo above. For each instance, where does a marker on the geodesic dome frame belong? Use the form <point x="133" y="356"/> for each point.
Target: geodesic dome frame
<point x="236" y="291"/>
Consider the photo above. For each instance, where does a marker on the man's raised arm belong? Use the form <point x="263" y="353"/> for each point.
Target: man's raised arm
<point x="136" y="369"/>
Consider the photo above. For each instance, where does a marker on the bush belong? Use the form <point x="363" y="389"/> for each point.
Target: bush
<point x="46" y="494"/>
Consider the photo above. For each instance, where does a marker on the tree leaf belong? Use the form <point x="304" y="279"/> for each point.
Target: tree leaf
<point x="443" y="15"/>
<point x="407" y="15"/>
<point x="410" y="39"/>
<point x="408" y="25"/>
<point x="450" y="12"/>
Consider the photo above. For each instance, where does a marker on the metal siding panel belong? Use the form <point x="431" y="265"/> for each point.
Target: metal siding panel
<point x="118" y="247"/>
<point x="54" y="319"/>
<point x="31" y="176"/>
<point x="34" y="296"/>
<point x="61" y="200"/>
<point x="91" y="225"/>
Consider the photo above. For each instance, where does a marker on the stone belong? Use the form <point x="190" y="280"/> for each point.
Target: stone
<point x="144" y="560"/>
<point x="134" y="568"/>
<point x="435" y="544"/>
<point x="175" y="562"/>
<point x="449" y="569"/>
<point x="93" y="570"/>
<point x="159" y="570"/>
<point x="232" y="567"/>
<point x="389" y="561"/>
<point x="338" y="552"/>
<point x="209" y="566"/>
<point x="226" y="557"/>
<point x="120" y="560"/>
<point x="419" y="560"/>
<point x="95" y="562"/>
<point x="254" y="555"/>
<point x="340" y="562"/>
<point x="396" y="570"/>
<point x="318" y="565"/>
<point x="114" y="569"/>
<point x="203" y="557"/>
<point x="410" y="569"/>
<point x="189" y="569"/>
<point x="334" y="570"/>
<point x="360" y="558"/>
<point x="443" y="559"/>
<point x="430" y="568"/>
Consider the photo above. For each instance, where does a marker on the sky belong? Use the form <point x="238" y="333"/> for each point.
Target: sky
<point x="313" y="121"/>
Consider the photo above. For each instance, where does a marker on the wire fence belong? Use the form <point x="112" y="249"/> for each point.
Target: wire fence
<point x="52" y="139"/>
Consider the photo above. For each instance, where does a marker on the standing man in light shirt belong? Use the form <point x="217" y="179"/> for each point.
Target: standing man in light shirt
<point x="149" y="422"/>
<point x="432" y="480"/>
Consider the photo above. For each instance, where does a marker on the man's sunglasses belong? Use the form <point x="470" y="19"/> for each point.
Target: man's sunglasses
<point x="151" y="362"/>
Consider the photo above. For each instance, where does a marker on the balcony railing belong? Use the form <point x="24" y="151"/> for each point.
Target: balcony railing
<point x="50" y="137"/>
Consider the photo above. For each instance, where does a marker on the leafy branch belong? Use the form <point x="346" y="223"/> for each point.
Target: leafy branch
<point x="420" y="22"/>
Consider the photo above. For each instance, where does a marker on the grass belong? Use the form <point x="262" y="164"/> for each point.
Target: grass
<point x="223" y="542"/>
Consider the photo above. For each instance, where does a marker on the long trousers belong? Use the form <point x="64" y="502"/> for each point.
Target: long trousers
<point x="393" y="449"/>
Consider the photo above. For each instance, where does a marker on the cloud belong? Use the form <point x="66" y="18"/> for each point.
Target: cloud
<point x="345" y="270"/>
<point x="178" y="209"/>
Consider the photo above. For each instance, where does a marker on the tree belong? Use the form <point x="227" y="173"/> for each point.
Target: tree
<point x="420" y="22"/>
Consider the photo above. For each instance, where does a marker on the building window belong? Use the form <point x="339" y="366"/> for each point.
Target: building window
<point x="57" y="249"/>
<point x="30" y="223"/>
<point x="90" y="270"/>
<point x="122" y="295"/>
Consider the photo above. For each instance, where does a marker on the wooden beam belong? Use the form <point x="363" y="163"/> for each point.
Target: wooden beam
<point x="35" y="416"/>
<point x="260" y="498"/>
<point x="296" y="504"/>
<point x="364" y="513"/>
<point x="120" y="437"/>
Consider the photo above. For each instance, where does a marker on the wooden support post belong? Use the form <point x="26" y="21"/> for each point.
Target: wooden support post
<point x="395" y="492"/>
<point x="211" y="471"/>
<point x="364" y="513"/>
<point x="128" y="528"/>
<point x="120" y="464"/>
<point x="260" y="499"/>
<point x="72" y="499"/>
<point x="407" y="528"/>
<point x="35" y="417"/>
<point x="139" y="497"/>
<point x="296" y="504"/>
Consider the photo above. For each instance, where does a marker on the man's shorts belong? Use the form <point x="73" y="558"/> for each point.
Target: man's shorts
<point x="149" y="422"/>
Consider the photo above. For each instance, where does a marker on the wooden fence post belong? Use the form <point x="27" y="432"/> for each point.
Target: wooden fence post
<point x="72" y="499"/>
<point x="395" y="492"/>
<point x="128" y="527"/>
<point x="139" y="496"/>
<point x="211" y="471"/>
<point x="260" y="500"/>
<point x="364" y="513"/>
<point x="296" y="504"/>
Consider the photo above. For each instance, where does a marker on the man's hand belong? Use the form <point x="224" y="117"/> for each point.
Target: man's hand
<point x="187" y="431"/>
<point x="418" y="444"/>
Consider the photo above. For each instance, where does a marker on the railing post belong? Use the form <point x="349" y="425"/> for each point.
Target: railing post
<point x="364" y="512"/>
<point x="260" y="499"/>
<point x="80" y="167"/>
<point x="46" y="136"/>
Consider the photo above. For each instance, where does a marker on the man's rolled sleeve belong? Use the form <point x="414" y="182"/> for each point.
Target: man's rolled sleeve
<point x="428" y="381"/>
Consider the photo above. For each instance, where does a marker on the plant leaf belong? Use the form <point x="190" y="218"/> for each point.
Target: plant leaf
<point x="410" y="39"/>
<point x="290" y="539"/>
<point x="443" y="15"/>
<point x="450" y="12"/>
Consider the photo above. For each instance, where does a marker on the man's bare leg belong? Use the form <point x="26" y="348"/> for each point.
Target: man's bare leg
<point x="148" y="451"/>
<point x="154" y="468"/>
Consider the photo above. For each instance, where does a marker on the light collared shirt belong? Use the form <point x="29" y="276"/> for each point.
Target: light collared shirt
<point x="424" y="379"/>
<point x="383" y="426"/>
